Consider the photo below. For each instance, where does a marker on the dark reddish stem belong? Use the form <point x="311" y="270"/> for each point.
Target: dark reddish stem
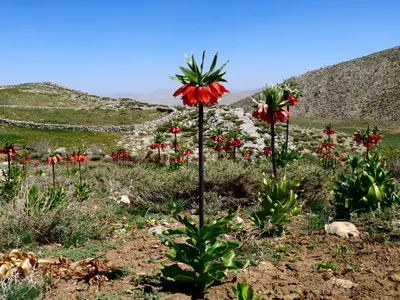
<point x="54" y="175"/>
<point x="201" y="164"/>
<point x="176" y="148"/>
<point x="273" y="144"/>
<point x="287" y="133"/>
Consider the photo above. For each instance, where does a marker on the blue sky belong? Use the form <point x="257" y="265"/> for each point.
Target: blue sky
<point x="132" y="46"/>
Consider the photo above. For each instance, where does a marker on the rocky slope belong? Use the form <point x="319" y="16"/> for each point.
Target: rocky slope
<point x="363" y="88"/>
<point x="47" y="94"/>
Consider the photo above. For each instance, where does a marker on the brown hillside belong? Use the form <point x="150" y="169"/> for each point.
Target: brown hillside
<point x="363" y="88"/>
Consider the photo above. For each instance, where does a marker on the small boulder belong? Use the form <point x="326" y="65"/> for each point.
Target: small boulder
<point x="395" y="278"/>
<point x="124" y="199"/>
<point x="156" y="230"/>
<point x="342" y="283"/>
<point x="342" y="229"/>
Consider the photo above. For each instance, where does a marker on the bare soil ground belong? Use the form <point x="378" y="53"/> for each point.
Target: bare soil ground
<point x="372" y="267"/>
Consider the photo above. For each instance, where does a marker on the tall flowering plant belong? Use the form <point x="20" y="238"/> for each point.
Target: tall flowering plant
<point x="8" y="148"/>
<point x="80" y="157"/>
<point x="234" y="139"/>
<point x="368" y="138"/>
<point x="24" y="159"/>
<point x="291" y="95"/>
<point x="175" y="128"/>
<point x="326" y="151"/>
<point x="52" y="159"/>
<point x="271" y="107"/>
<point x="217" y="136"/>
<point x="201" y="89"/>
<point x="159" y="143"/>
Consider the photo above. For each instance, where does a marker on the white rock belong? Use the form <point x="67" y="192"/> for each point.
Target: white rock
<point x="342" y="229"/>
<point x="342" y="283"/>
<point x="124" y="199"/>
<point x="237" y="220"/>
<point x="156" y="229"/>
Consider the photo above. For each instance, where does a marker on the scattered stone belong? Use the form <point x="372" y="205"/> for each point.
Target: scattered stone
<point x="156" y="230"/>
<point x="124" y="199"/>
<point x="395" y="278"/>
<point x="342" y="283"/>
<point x="237" y="220"/>
<point x="342" y="229"/>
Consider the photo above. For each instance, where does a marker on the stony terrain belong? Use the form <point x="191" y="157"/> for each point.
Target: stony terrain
<point x="363" y="88"/>
<point x="50" y="95"/>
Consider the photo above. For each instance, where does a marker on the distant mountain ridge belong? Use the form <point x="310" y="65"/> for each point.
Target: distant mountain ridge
<point x="364" y="88"/>
<point x="164" y="96"/>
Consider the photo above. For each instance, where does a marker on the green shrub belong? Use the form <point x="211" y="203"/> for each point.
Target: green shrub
<point x="284" y="157"/>
<point x="50" y="200"/>
<point x="204" y="250"/>
<point x="26" y="289"/>
<point x="244" y="292"/>
<point x="82" y="191"/>
<point x="366" y="189"/>
<point x="10" y="187"/>
<point x="277" y="206"/>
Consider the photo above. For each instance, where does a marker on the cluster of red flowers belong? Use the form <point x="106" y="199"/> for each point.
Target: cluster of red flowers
<point x="158" y="146"/>
<point x="218" y="138"/>
<point x="122" y="155"/>
<point x="326" y="145"/>
<point x="235" y="142"/>
<point x="24" y="160"/>
<point x="192" y="94"/>
<point x="329" y="130"/>
<point x="187" y="152"/>
<point x="264" y="114"/>
<point x="173" y="146"/>
<point x="79" y="157"/>
<point x="369" y="141"/>
<point x="177" y="160"/>
<point x="267" y="150"/>
<point x="10" y="151"/>
<point x="247" y="153"/>
<point x="153" y="157"/>
<point x="291" y="100"/>
<point x="53" y="159"/>
<point x="328" y="155"/>
<point x="175" y="129"/>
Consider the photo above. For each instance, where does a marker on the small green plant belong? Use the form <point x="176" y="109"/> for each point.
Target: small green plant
<point x="51" y="199"/>
<point x="326" y="266"/>
<point x="243" y="291"/>
<point x="342" y="250"/>
<point x="351" y="268"/>
<point x="284" y="157"/>
<point x="26" y="289"/>
<point x="278" y="206"/>
<point x="172" y="204"/>
<point x="204" y="250"/>
<point x="82" y="191"/>
<point x="368" y="189"/>
<point x="9" y="188"/>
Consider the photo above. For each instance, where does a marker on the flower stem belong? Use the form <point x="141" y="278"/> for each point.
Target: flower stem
<point x="273" y="144"/>
<point x="54" y="175"/>
<point x="159" y="158"/>
<point x="80" y="172"/>
<point x="201" y="164"/>
<point x="9" y="165"/>
<point x="176" y="149"/>
<point x="287" y="133"/>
